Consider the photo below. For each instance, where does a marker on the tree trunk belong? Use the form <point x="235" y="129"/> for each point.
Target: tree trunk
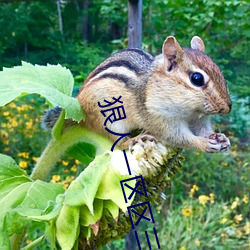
<point x="135" y="23"/>
<point x="85" y="20"/>
<point x="134" y="41"/>
<point x="131" y="243"/>
<point x="59" y="16"/>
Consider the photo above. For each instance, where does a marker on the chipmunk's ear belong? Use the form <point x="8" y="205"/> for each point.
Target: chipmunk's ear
<point x="197" y="43"/>
<point x="171" y="49"/>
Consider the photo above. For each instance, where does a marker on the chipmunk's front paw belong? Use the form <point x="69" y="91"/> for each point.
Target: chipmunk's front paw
<point x="218" y="142"/>
<point x="141" y="139"/>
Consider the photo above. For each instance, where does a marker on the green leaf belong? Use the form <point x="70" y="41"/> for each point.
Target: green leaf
<point x="53" y="82"/>
<point x="83" y="152"/>
<point x="99" y="180"/>
<point x="58" y="127"/>
<point x="26" y="202"/>
<point x="86" y="232"/>
<point x="14" y="198"/>
<point x="13" y="223"/>
<point x="112" y="208"/>
<point x="50" y="234"/>
<point x="6" y="186"/>
<point x="39" y="194"/>
<point x="83" y="189"/>
<point x="20" y="198"/>
<point x="110" y="188"/>
<point x="67" y="226"/>
<point x="8" y="221"/>
<point x="9" y="168"/>
<point x="4" y="240"/>
<point x="54" y="210"/>
<point x="86" y="218"/>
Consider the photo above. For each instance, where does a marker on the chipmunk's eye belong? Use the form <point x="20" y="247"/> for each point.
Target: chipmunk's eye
<point x="197" y="79"/>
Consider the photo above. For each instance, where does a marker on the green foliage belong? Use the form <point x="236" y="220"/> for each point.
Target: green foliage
<point x="238" y="121"/>
<point x="81" y="58"/>
<point x="24" y="200"/>
<point x="223" y="25"/>
<point x="19" y="127"/>
<point x="203" y="223"/>
<point x="30" y="32"/>
<point x="232" y="166"/>
<point x="82" y="204"/>
<point x="52" y="82"/>
<point x="207" y="206"/>
<point x="19" y="198"/>
<point x="83" y="152"/>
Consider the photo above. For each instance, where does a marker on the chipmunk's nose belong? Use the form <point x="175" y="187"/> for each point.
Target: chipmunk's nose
<point x="227" y="108"/>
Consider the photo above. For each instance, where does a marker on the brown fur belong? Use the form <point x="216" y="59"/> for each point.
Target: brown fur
<point x="157" y="94"/>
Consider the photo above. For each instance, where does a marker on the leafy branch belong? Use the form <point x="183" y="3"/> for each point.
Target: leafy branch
<point x="93" y="206"/>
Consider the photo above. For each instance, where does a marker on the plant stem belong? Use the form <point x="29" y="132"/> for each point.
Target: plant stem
<point x="16" y="240"/>
<point x="57" y="147"/>
<point x="52" y="153"/>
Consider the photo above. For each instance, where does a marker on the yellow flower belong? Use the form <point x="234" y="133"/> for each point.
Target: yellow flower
<point x="187" y="211"/>
<point x="234" y="152"/>
<point x="223" y="220"/>
<point x="23" y="164"/>
<point x="238" y="233"/>
<point x="197" y="242"/>
<point x="14" y="123"/>
<point x="247" y="227"/>
<point x="4" y="134"/>
<point x="203" y="199"/>
<point x="245" y="199"/>
<point x="12" y="105"/>
<point x="182" y="248"/>
<point x="35" y="159"/>
<point x="211" y="195"/>
<point x="6" y="149"/>
<point x="223" y="235"/>
<point x="6" y="141"/>
<point x="65" y="185"/>
<point x="6" y="113"/>
<point x="23" y="107"/>
<point x="235" y="203"/>
<point x="24" y="154"/>
<point x="70" y="178"/>
<point x="29" y="124"/>
<point x="73" y="168"/>
<point x="238" y="218"/>
<point x="55" y="178"/>
<point x="224" y="164"/>
<point x="193" y="190"/>
<point x="77" y="162"/>
<point x="65" y="163"/>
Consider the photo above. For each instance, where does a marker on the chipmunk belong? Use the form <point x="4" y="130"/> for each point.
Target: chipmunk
<point x="169" y="97"/>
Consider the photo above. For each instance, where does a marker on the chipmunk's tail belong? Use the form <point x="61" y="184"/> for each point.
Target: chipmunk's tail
<point x="50" y="117"/>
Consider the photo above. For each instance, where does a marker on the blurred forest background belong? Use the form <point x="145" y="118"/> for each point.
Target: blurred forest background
<point x="208" y="204"/>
